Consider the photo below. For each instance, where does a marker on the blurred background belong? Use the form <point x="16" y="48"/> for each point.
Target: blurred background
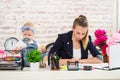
<point x="52" y="17"/>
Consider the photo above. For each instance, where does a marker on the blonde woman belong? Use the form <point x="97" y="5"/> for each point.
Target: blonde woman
<point x="74" y="45"/>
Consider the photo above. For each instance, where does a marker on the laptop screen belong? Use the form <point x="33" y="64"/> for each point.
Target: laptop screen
<point x="114" y="56"/>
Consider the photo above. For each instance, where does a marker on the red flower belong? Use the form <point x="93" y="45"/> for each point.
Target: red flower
<point x="100" y="40"/>
<point x="99" y="33"/>
<point x="103" y="48"/>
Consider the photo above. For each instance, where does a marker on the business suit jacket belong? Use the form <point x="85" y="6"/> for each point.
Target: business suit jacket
<point x="63" y="47"/>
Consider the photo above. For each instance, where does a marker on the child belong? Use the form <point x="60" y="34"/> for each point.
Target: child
<point x="28" y="42"/>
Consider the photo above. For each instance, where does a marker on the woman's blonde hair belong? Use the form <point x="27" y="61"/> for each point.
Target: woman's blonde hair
<point x="85" y="41"/>
<point x="82" y="21"/>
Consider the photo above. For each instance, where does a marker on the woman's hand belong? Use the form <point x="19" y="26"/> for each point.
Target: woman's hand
<point x="64" y="61"/>
<point x="43" y="49"/>
<point x="93" y="60"/>
<point x="72" y="60"/>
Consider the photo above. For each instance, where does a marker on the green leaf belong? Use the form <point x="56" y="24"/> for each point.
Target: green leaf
<point x="34" y="56"/>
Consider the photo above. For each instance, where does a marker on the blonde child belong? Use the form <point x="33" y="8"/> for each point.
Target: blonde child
<point x="27" y="32"/>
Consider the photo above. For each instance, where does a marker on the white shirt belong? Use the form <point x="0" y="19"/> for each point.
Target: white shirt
<point x="77" y="53"/>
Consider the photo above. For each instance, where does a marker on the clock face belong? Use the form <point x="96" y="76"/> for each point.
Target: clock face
<point x="10" y="43"/>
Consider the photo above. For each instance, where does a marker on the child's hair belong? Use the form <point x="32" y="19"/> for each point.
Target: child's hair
<point x="28" y="26"/>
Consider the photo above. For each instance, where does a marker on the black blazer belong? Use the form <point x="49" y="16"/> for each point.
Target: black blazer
<point x="63" y="46"/>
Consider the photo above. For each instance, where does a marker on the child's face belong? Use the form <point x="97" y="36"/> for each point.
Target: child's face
<point x="27" y="34"/>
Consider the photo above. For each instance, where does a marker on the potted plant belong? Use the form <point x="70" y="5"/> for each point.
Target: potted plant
<point x="34" y="57"/>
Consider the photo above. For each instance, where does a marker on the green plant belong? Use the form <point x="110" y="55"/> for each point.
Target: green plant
<point x="34" y="56"/>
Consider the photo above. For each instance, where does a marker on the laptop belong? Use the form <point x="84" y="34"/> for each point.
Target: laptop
<point x="114" y="58"/>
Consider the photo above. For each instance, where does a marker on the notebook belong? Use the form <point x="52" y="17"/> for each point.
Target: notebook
<point x="114" y="58"/>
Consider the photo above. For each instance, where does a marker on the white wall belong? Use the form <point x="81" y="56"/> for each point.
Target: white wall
<point x="55" y="16"/>
<point x="118" y="14"/>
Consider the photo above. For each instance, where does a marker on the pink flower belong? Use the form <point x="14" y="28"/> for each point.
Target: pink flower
<point x="104" y="49"/>
<point x="2" y="54"/>
<point x="119" y="31"/>
<point x="114" y="39"/>
<point x="96" y="42"/>
<point x="2" y="51"/>
<point x="98" y="33"/>
<point x="100" y="40"/>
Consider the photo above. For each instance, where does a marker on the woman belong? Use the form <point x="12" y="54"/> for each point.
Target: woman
<point x="74" y="45"/>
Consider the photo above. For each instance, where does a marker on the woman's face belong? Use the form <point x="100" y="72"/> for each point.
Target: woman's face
<point x="79" y="32"/>
<point x="27" y="34"/>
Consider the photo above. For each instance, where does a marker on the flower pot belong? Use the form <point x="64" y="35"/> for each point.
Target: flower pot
<point x="34" y="66"/>
<point x="105" y="58"/>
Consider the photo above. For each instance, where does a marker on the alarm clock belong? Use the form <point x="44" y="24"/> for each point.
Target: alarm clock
<point x="10" y="43"/>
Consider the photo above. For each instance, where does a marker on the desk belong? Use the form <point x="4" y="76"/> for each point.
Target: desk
<point x="44" y="74"/>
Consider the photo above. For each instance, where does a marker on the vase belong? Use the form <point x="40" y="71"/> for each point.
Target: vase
<point x="34" y="66"/>
<point x="105" y="58"/>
